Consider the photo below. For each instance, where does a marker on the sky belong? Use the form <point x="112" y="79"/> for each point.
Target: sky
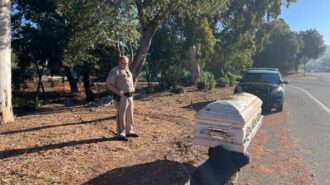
<point x="309" y="14"/>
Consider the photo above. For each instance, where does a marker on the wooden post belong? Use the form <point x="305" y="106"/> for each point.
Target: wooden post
<point x="6" y="112"/>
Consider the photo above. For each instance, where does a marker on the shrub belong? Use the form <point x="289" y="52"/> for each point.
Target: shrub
<point x="25" y="104"/>
<point x="201" y="84"/>
<point x="206" y="81"/>
<point x="148" y="89"/>
<point x="232" y="79"/>
<point x="178" y="89"/>
<point x="223" y="81"/>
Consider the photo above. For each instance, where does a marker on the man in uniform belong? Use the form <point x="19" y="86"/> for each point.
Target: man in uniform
<point x="120" y="82"/>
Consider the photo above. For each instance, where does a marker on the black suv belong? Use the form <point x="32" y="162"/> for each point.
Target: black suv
<point x="267" y="84"/>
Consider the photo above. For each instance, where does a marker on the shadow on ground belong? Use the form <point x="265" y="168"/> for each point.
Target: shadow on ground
<point x="160" y="172"/>
<point x="17" y="152"/>
<point x="197" y="106"/>
<point x="58" y="125"/>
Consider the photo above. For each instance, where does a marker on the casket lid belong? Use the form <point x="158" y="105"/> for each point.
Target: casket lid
<point x="237" y="109"/>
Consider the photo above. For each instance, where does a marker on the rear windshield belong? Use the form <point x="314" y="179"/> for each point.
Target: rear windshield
<point x="262" y="77"/>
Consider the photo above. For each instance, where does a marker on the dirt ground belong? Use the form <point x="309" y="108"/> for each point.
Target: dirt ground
<point x="77" y="145"/>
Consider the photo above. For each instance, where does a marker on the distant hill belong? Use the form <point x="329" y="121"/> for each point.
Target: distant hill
<point x="317" y="61"/>
<point x="327" y="52"/>
<point x="318" y="64"/>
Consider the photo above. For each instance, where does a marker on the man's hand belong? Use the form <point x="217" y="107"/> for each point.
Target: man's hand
<point x="114" y="90"/>
<point x="121" y="93"/>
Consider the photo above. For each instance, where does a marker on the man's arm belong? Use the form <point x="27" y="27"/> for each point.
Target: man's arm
<point x="109" y="82"/>
<point x="113" y="89"/>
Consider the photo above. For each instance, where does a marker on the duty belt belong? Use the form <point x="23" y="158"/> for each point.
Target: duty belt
<point x="129" y="94"/>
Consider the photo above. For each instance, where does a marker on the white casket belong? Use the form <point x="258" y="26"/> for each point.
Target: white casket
<point x="229" y="123"/>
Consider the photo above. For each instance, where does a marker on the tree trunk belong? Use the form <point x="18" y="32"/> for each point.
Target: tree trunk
<point x="6" y="112"/>
<point x="119" y="50"/>
<point x="72" y="81"/>
<point x="87" y="83"/>
<point x="40" y="85"/>
<point x="131" y="57"/>
<point x="305" y="59"/>
<point x="141" y="53"/>
<point x="296" y="67"/>
<point x="194" y="55"/>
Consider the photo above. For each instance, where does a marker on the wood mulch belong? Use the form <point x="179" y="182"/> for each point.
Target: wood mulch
<point x="77" y="145"/>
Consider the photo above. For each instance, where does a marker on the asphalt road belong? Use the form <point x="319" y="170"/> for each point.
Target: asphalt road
<point x="308" y="104"/>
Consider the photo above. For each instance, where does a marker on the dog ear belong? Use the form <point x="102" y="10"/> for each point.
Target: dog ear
<point x="240" y="159"/>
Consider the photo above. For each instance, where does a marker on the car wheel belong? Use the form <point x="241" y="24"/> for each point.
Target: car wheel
<point x="280" y="108"/>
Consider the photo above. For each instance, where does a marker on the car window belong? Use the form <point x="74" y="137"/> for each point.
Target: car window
<point x="262" y="77"/>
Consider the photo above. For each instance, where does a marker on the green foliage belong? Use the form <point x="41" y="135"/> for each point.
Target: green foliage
<point x="313" y="47"/>
<point x="148" y="89"/>
<point x="223" y="81"/>
<point x="109" y="23"/>
<point x="206" y="81"/>
<point x="241" y="34"/>
<point x="178" y="89"/>
<point x="151" y="15"/>
<point x="76" y="31"/>
<point x="232" y="79"/>
<point x="282" y="49"/>
<point x="165" y="60"/>
<point x="25" y="104"/>
<point x="325" y="63"/>
<point x="198" y="31"/>
<point x="19" y="75"/>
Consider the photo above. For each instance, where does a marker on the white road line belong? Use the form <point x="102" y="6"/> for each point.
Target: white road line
<point x="311" y="96"/>
<point x="322" y="83"/>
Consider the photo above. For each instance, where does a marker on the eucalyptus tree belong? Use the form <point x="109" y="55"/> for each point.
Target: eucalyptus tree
<point x="200" y="41"/>
<point x="241" y="31"/>
<point x="107" y="23"/>
<point x="325" y="64"/>
<point x="152" y="13"/>
<point x="281" y="50"/>
<point x="40" y="33"/>
<point x="165" y="57"/>
<point x="313" y="47"/>
<point x="6" y="112"/>
<point x="180" y="45"/>
<point x="72" y="30"/>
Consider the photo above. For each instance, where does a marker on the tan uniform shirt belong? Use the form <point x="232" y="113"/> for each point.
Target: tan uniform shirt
<point x="121" y="79"/>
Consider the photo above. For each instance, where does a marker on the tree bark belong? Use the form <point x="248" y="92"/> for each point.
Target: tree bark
<point x="119" y="50"/>
<point x="141" y="53"/>
<point x="194" y="55"/>
<point x="147" y="30"/>
<point x="72" y="81"/>
<point x="87" y="83"/>
<point x="40" y="85"/>
<point x="6" y="111"/>
<point x="296" y="67"/>
<point x="131" y="57"/>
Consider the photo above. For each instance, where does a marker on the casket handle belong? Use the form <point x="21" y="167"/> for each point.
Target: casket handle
<point x="217" y="133"/>
<point x="224" y="131"/>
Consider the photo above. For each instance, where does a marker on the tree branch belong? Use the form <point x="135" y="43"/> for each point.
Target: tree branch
<point x="139" y="6"/>
<point x="159" y="17"/>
